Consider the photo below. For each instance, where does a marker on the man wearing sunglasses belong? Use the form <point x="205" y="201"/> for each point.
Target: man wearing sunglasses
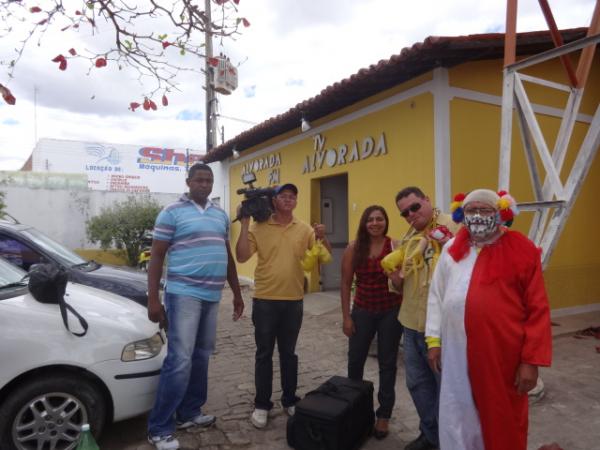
<point x="429" y="231"/>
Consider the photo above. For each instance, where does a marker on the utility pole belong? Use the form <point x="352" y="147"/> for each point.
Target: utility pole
<point x="211" y="118"/>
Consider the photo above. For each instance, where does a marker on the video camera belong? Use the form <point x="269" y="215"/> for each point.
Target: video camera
<point x="258" y="203"/>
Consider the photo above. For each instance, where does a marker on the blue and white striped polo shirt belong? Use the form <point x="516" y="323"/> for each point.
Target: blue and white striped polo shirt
<point x="197" y="256"/>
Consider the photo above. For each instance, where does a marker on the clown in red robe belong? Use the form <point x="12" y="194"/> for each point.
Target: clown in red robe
<point x="489" y="308"/>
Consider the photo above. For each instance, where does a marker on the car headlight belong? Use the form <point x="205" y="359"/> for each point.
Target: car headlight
<point x="144" y="349"/>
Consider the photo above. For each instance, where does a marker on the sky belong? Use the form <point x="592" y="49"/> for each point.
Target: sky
<point x="291" y="51"/>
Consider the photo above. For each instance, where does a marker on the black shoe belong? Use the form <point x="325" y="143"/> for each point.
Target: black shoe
<point x="420" y="443"/>
<point x="381" y="430"/>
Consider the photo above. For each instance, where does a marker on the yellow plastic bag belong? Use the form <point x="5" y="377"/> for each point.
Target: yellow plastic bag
<point x="393" y="260"/>
<point x="324" y="255"/>
<point x="318" y="253"/>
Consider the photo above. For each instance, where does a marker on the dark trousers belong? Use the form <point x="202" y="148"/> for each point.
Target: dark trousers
<point x="422" y="383"/>
<point x="388" y="329"/>
<point x="276" y="320"/>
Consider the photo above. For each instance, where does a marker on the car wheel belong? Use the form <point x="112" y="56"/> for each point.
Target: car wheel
<point x="47" y="413"/>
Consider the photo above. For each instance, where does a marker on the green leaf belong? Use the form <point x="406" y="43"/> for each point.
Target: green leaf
<point x="162" y="37"/>
<point x="182" y="51"/>
<point x="123" y="225"/>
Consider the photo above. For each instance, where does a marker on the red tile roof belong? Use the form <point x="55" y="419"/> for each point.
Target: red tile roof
<point x="435" y="51"/>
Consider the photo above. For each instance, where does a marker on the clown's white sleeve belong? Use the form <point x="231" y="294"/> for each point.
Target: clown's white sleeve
<point x="437" y="290"/>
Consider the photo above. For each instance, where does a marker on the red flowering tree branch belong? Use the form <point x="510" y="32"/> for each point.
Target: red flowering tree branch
<point x="150" y="37"/>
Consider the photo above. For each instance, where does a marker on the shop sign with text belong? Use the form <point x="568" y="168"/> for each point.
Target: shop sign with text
<point x="343" y="154"/>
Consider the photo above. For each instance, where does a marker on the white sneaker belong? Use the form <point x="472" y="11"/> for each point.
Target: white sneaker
<point x="164" y="442"/>
<point x="201" y="420"/>
<point x="259" y="418"/>
<point x="290" y="410"/>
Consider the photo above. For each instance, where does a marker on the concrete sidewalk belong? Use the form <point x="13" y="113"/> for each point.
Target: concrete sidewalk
<point x="568" y="414"/>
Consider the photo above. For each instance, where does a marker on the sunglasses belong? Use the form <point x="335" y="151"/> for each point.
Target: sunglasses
<point x="412" y="208"/>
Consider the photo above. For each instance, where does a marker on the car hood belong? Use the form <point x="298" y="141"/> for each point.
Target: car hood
<point x="34" y="334"/>
<point x="106" y="308"/>
<point x="110" y="274"/>
<point x="112" y="319"/>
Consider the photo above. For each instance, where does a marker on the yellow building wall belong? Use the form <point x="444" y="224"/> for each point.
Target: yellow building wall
<point x="408" y="130"/>
<point x="571" y="276"/>
<point x="474" y="144"/>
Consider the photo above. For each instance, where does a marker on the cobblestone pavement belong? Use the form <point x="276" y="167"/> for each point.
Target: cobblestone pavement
<point x="568" y="414"/>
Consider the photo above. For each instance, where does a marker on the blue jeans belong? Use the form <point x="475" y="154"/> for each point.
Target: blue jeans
<point x="183" y="383"/>
<point x="276" y="320"/>
<point x="422" y="383"/>
<point x="385" y="324"/>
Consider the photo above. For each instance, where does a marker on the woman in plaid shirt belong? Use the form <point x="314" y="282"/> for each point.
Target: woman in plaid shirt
<point x="374" y="310"/>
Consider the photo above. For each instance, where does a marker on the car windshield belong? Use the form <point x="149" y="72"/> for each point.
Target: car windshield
<point x="65" y="255"/>
<point x="9" y="274"/>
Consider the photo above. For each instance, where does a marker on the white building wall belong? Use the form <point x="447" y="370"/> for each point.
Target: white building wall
<point x="116" y="167"/>
<point x="60" y="209"/>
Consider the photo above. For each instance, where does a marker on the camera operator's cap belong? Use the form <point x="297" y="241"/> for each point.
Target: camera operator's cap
<point x="288" y="186"/>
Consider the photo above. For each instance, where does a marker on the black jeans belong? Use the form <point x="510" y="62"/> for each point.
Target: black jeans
<point x="276" y="320"/>
<point x="389" y="331"/>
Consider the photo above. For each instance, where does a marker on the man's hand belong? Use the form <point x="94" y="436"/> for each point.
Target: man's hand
<point x="348" y="326"/>
<point x="243" y="220"/>
<point x="397" y="279"/>
<point x="156" y="314"/>
<point x="526" y="378"/>
<point x="319" y="230"/>
<point x="434" y="358"/>
<point x="238" y="308"/>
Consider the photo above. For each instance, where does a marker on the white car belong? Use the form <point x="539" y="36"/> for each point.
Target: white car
<point x="52" y="382"/>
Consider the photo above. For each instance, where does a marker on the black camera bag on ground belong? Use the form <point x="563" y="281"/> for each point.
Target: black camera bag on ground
<point x="48" y="284"/>
<point x="338" y="415"/>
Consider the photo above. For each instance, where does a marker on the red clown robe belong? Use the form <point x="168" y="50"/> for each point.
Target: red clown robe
<point x="506" y="321"/>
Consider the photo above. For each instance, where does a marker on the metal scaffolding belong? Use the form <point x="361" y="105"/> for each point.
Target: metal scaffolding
<point x="554" y="199"/>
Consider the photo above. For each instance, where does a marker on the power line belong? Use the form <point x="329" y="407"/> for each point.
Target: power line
<point x="237" y="119"/>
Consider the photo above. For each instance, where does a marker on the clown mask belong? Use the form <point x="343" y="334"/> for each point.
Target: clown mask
<point x="481" y="222"/>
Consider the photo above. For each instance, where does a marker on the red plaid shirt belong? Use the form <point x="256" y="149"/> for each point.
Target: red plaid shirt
<point x="372" y="293"/>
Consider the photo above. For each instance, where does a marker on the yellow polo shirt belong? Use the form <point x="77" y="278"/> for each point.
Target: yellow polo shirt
<point x="418" y="268"/>
<point x="280" y="248"/>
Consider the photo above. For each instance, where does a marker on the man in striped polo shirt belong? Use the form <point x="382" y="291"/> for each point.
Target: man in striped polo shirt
<point x="194" y="233"/>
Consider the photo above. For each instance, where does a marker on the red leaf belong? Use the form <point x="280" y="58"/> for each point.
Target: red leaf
<point x="237" y="2"/>
<point x="42" y="22"/>
<point x="78" y="13"/>
<point x="165" y="100"/>
<point x="213" y="62"/>
<point x="245" y="22"/>
<point x="76" y="25"/>
<point x="133" y="106"/>
<point x="146" y="105"/>
<point x="62" y="62"/>
<point x="35" y="9"/>
<point x="100" y="62"/>
<point x="152" y="105"/>
<point x="65" y="28"/>
<point x="72" y="51"/>
<point x="7" y="95"/>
